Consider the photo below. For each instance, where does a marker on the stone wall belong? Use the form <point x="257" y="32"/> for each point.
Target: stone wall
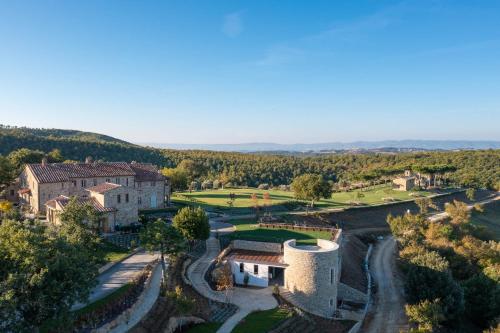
<point x="147" y="190"/>
<point x="350" y="294"/>
<point x="256" y="246"/>
<point x="311" y="275"/>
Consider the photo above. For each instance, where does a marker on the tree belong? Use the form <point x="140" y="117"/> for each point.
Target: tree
<point x="192" y="169"/>
<point x="42" y="275"/>
<point x="24" y="156"/>
<point x="7" y="173"/>
<point x="408" y="228"/>
<point x="311" y="187"/>
<point x="192" y="223"/>
<point x="5" y="207"/>
<point x="159" y="236"/>
<point x="424" y="204"/>
<point x="225" y="280"/>
<point x="178" y="178"/>
<point x="55" y="156"/>
<point x="482" y="299"/>
<point x="426" y="314"/>
<point x="458" y="212"/>
<point x="470" y="193"/>
<point x="78" y="212"/>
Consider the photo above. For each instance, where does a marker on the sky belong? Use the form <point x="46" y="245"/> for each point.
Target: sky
<point x="253" y="71"/>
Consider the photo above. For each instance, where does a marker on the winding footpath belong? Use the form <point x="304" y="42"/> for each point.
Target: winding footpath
<point x="247" y="300"/>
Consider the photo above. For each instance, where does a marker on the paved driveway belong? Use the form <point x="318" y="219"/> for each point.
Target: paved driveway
<point x="118" y="275"/>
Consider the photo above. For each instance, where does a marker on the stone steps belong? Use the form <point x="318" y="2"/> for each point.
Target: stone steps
<point x="223" y="312"/>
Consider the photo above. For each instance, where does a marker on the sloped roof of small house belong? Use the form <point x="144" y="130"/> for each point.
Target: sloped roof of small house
<point x="64" y="200"/>
<point x="258" y="257"/>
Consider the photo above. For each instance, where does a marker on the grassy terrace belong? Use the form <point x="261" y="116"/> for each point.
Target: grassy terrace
<point x="248" y="229"/>
<point x="112" y="253"/>
<point x="219" y="199"/>
<point x="261" y="321"/>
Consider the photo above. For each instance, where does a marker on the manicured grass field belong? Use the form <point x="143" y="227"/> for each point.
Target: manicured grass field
<point x="490" y="219"/>
<point x="261" y="321"/>
<point x="248" y="229"/>
<point x="220" y="198"/>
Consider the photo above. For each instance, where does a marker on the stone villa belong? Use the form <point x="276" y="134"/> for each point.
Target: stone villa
<point x="309" y="274"/>
<point x="116" y="189"/>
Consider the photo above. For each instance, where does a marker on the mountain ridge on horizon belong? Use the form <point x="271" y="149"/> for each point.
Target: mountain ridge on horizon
<point x="328" y="146"/>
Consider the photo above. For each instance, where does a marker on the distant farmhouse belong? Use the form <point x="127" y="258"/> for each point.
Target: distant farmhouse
<point x="410" y="180"/>
<point x="404" y="183"/>
<point x="116" y="189"/>
<point x="309" y="274"/>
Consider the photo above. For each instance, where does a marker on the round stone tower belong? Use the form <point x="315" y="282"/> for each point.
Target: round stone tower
<point x="312" y="275"/>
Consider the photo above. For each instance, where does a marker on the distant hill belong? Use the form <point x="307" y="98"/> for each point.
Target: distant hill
<point x="75" y="145"/>
<point x="337" y="146"/>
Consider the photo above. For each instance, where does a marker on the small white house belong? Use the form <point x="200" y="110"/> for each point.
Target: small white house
<point x="261" y="268"/>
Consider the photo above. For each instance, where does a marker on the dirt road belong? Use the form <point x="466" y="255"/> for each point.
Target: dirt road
<point x="387" y="313"/>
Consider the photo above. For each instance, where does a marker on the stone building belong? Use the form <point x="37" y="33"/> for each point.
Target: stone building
<point x="308" y="273"/>
<point x="125" y="187"/>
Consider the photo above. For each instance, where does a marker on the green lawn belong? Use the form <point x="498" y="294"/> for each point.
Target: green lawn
<point x="205" y="328"/>
<point x="112" y="252"/>
<point x="220" y="198"/>
<point x="248" y="229"/>
<point x="490" y="219"/>
<point x="261" y="321"/>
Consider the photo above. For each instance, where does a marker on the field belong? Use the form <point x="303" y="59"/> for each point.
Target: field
<point x="248" y="229"/>
<point x="280" y="200"/>
<point x="490" y="219"/>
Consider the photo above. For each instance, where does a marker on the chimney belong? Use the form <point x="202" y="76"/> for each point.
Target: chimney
<point x="88" y="160"/>
<point x="44" y="161"/>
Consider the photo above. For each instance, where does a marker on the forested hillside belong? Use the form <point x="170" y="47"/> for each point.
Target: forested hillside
<point x="479" y="168"/>
<point x="75" y="145"/>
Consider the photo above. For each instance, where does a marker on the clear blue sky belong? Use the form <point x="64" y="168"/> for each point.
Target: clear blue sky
<point x="253" y="71"/>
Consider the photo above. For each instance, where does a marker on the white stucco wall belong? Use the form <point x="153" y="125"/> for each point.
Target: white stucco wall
<point x="259" y="280"/>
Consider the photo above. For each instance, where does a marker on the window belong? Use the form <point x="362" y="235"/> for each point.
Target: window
<point x="84" y="183"/>
<point x="108" y="180"/>
<point x="118" y="198"/>
<point x="126" y="181"/>
<point x="139" y="184"/>
<point x="62" y="185"/>
<point x="139" y="200"/>
<point x="331" y="301"/>
<point x="117" y="180"/>
<point x="153" y="183"/>
<point x="242" y="267"/>
<point x="256" y="269"/>
<point x="95" y="182"/>
<point x="74" y="183"/>
<point x="331" y="275"/>
<point x="126" y="197"/>
<point x="11" y="193"/>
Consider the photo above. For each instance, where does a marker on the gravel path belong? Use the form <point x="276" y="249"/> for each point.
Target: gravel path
<point x="387" y="314"/>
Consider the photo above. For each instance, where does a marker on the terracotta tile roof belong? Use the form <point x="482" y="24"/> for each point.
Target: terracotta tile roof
<point x="257" y="257"/>
<point x="146" y="172"/>
<point x="104" y="187"/>
<point x="63" y="201"/>
<point x="59" y="172"/>
<point x="24" y="191"/>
